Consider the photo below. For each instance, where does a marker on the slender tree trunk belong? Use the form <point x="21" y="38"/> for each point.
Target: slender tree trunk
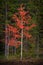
<point x="6" y="35"/>
<point x="22" y="42"/>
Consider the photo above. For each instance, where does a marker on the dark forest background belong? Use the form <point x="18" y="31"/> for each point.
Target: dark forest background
<point x="36" y="11"/>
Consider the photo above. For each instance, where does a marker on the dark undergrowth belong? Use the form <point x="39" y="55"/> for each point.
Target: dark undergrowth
<point x="22" y="62"/>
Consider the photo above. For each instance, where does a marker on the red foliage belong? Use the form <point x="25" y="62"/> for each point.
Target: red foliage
<point x="22" y="13"/>
<point x="33" y="25"/>
<point x="20" y="22"/>
<point x="18" y="44"/>
<point x="27" y="35"/>
<point x="13" y="29"/>
<point x="16" y="35"/>
<point x="13" y="42"/>
<point x="21" y="26"/>
<point x="30" y="27"/>
<point x="27" y="28"/>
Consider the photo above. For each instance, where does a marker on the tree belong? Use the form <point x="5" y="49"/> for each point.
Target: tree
<point x="21" y="20"/>
<point x="21" y="28"/>
<point x="12" y="5"/>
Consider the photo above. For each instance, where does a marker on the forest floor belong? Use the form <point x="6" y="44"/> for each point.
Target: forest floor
<point x="21" y="62"/>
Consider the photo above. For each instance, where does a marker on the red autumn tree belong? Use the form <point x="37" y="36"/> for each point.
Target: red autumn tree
<point x="21" y="28"/>
<point x="21" y="19"/>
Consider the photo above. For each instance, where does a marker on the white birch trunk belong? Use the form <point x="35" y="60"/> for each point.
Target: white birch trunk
<point x="21" y="43"/>
<point x="6" y="36"/>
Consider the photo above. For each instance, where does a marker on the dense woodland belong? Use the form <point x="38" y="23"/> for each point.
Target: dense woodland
<point x="36" y="12"/>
